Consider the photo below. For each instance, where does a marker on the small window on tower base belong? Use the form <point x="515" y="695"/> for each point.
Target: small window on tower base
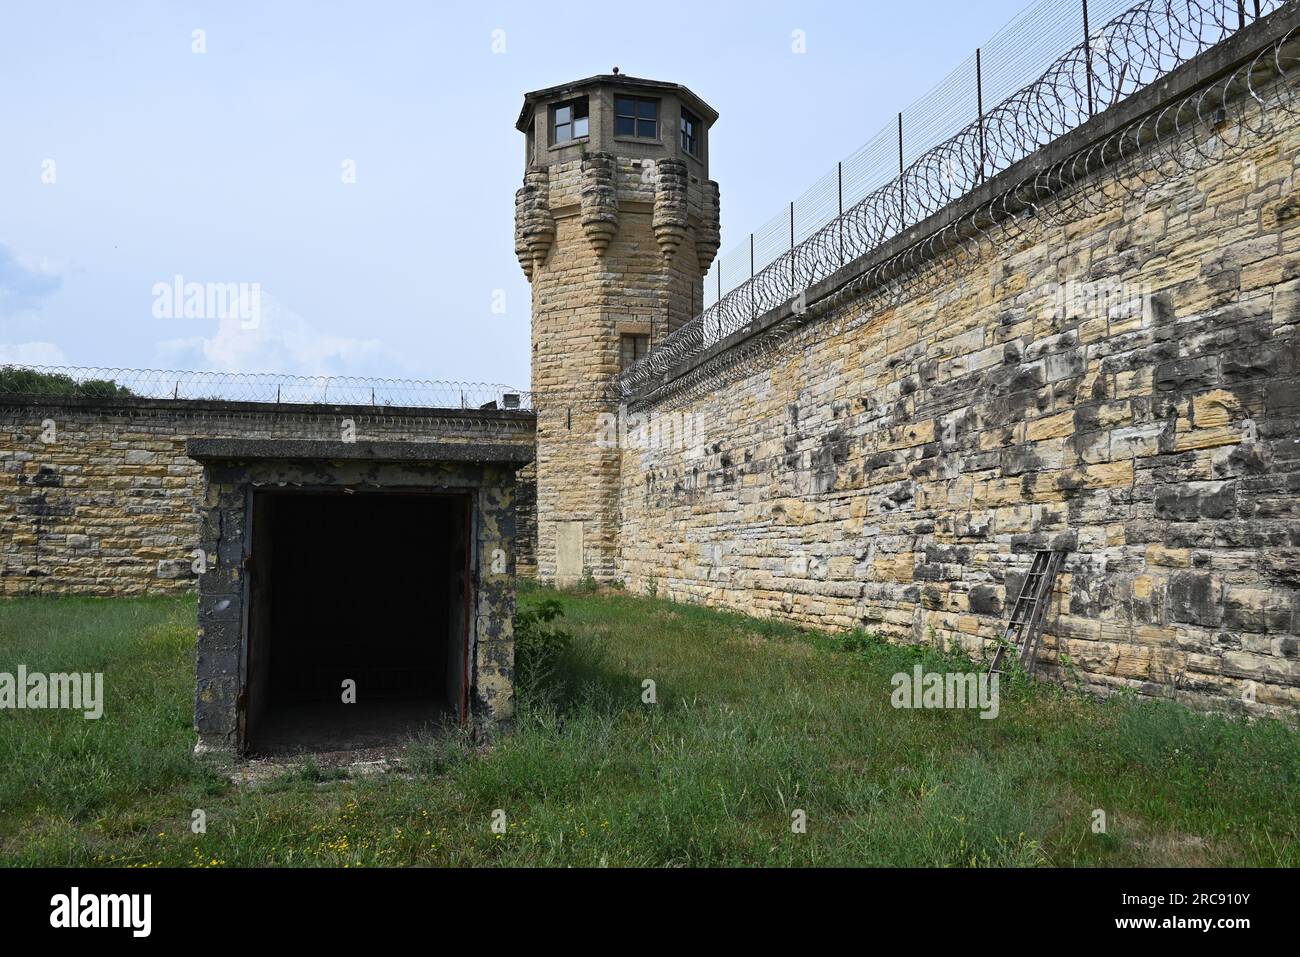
<point x="632" y="348"/>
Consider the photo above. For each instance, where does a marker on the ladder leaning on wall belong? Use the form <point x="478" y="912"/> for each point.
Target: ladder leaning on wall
<point x="1026" y="625"/>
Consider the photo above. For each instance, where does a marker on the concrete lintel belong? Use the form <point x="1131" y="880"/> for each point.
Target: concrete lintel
<point x="482" y="453"/>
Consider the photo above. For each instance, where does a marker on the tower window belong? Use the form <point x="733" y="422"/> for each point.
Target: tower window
<point x="634" y="116"/>
<point x="569" y="121"/>
<point x="632" y="348"/>
<point x="690" y="133"/>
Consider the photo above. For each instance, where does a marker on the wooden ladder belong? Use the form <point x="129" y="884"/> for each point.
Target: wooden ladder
<point x="1026" y="625"/>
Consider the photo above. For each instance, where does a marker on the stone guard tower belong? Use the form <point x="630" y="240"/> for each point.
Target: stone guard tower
<point x="616" y="225"/>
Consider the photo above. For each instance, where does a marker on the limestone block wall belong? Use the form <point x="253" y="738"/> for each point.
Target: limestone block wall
<point x="619" y="251"/>
<point x="110" y="504"/>
<point x="576" y="479"/>
<point x="1123" y="387"/>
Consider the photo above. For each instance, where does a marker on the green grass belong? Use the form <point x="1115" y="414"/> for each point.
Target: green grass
<point x="754" y="720"/>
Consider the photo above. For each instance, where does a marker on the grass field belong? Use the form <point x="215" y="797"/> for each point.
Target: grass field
<point x="753" y="721"/>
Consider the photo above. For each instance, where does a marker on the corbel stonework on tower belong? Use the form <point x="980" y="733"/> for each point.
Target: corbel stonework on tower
<point x="521" y="245"/>
<point x="708" y="235"/>
<point x="599" y="200"/>
<point x="670" y="207"/>
<point x="534" y="224"/>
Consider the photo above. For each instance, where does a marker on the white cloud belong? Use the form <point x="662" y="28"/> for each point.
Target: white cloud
<point x="25" y="283"/>
<point x="32" y="354"/>
<point x="280" y="340"/>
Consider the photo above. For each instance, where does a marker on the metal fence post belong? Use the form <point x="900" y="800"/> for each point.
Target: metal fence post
<point x="1087" y="55"/>
<point x="902" y="186"/>
<point x="839" y="181"/>
<point x="979" y="106"/>
<point x="753" y="304"/>
<point x="792" y="245"/>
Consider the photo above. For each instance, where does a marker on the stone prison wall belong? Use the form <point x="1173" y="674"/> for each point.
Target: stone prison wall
<point x="97" y="495"/>
<point x="1121" y="386"/>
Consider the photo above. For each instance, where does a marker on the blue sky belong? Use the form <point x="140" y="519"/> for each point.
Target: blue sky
<point x="129" y="159"/>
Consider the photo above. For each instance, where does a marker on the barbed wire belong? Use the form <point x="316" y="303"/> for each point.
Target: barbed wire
<point x="1208" y="125"/>
<point x="265" y="388"/>
<point x="1140" y="45"/>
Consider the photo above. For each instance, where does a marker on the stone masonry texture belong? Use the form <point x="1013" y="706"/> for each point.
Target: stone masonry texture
<point x="111" y="506"/>
<point x="1123" y="388"/>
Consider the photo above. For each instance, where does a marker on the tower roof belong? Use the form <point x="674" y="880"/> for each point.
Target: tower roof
<point x="706" y="112"/>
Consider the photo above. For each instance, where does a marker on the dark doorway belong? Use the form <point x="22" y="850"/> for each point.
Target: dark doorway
<point x="361" y="591"/>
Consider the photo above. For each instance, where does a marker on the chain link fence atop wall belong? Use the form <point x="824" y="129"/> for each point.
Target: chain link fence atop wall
<point x="270" y="388"/>
<point x="1050" y="70"/>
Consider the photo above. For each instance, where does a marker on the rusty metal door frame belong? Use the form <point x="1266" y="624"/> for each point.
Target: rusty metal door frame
<point x="471" y="603"/>
<point x="245" y="632"/>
